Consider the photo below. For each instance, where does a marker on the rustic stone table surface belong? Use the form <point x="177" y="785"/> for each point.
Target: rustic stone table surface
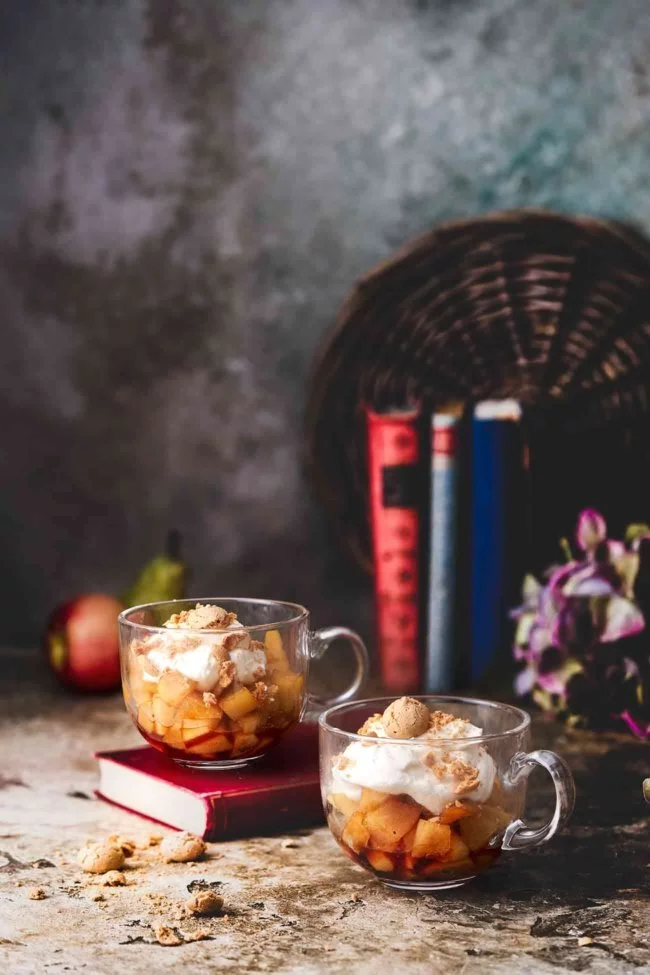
<point x="298" y="905"/>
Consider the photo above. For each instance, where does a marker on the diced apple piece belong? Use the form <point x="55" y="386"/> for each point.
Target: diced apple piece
<point x="410" y="863"/>
<point x="343" y="803"/>
<point x="370" y="799"/>
<point x="290" y="689"/>
<point x="173" y="688"/>
<point x="249" y="723"/>
<point x="409" y="839"/>
<point x="209" y="745"/>
<point x="163" y="713"/>
<point x="431" y="867"/>
<point x="198" y="729"/>
<point x="244" y="743"/>
<point x="484" y="823"/>
<point x="389" y="822"/>
<point x="275" y="653"/>
<point x="174" y="736"/>
<point x="458" y="849"/>
<point x="238" y="703"/>
<point x="380" y="861"/>
<point x="141" y="689"/>
<point x="355" y="833"/>
<point x="146" y="719"/>
<point x="432" y="839"/>
<point x="196" y="712"/>
<point x="455" y="811"/>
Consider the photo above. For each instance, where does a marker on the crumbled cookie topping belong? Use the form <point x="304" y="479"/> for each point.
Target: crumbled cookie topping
<point x="438" y="720"/>
<point x="37" y="894"/>
<point x="201" y="618"/>
<point x="367" y="728"/>
<point x="467" y="776"/>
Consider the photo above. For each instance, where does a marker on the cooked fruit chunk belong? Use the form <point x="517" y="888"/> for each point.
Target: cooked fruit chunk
<point x="244" y="744"/>
<point x="174" y="736"/>
<point x="380" y="861"/>
<point x="196" y="712"/>
<point x="458" y="849"/>
<point x="209" y="745"/>
<point x="371" y="799"/>
<point x="238" y="703"/>
<point x="355" y="833"/>
<point x="455" y="811"/>
<point x="343" y="803"/>
<point x="410" y="863"/>
<point x="408" y="840"/>
<point x="441" y="866"/>
<point x="141" y="689"/>
<point x="275" y="653"/>
<point x="389" y="822"/>
<point x="173" y="688"/>
<point x="164" y="714"/>
<point x="249" y="723"/>
<point x="484" y="823"/>
<point x="290" y="692"/>
<point x="432" y="839"/>
<point x="146" y="719"/>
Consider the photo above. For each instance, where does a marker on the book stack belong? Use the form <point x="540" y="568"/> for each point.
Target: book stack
<point x="449" y="511"/>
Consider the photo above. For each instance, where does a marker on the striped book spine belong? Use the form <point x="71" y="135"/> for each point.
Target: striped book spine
<point x="439" y="659"/>
<point x="394" y="467"/>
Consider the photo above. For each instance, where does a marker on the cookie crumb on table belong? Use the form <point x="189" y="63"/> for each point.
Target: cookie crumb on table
<point x="100" y="857"/>
<point x="204" y="902"/>
<point x="182" y="848"/>
<point x="165" y="935"/>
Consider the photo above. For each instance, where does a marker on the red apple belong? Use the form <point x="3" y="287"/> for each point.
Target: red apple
<point x="82" y="644"/>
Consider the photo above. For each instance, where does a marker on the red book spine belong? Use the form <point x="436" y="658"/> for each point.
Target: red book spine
<point x="393" y="465"/>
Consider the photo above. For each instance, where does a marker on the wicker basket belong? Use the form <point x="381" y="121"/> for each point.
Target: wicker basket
<point x="549" y="309"/>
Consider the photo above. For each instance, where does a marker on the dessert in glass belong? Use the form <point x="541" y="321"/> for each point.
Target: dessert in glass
<point x="426" y="792"/>
<point x="214" y="683"/>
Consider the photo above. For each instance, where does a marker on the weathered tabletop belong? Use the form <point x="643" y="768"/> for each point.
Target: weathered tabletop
<point x="579" y="904"/>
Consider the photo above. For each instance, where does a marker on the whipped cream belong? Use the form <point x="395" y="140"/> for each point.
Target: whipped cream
<point x="250" y="665"/>
<point x="426" y="768"/>
<point x="193" y="655"/>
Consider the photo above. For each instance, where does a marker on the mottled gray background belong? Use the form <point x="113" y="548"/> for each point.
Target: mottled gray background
<point x="187" y="191"/>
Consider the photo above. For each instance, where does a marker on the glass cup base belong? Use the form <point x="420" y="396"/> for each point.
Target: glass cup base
<point x="203" y="765"/>
<point x="425" y="886"/>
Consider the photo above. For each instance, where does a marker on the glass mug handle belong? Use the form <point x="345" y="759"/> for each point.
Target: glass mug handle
<point x="518" y="836"/>
<point x="319" y="643"/>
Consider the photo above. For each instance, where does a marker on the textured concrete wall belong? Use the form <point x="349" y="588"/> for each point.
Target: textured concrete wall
<point x="187" y="191"/>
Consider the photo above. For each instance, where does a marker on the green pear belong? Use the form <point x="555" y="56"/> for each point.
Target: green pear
<point x="163" y="578"/>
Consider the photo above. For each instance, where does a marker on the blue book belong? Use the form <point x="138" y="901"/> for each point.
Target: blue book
<point x="439" y="658"/>
<point x="496" y="504"/>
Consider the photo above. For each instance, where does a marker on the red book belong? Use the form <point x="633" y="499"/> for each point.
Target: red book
<point x="394" y="467"/>
<point x="280" y="792"/>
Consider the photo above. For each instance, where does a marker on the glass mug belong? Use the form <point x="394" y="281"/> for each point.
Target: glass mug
<point x="204" y="716"/>
<point x="453" y="837"/>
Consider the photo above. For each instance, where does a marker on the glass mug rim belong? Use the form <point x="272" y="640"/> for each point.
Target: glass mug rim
<point x="449" y="699"/>
<point x="301" y="612"/>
